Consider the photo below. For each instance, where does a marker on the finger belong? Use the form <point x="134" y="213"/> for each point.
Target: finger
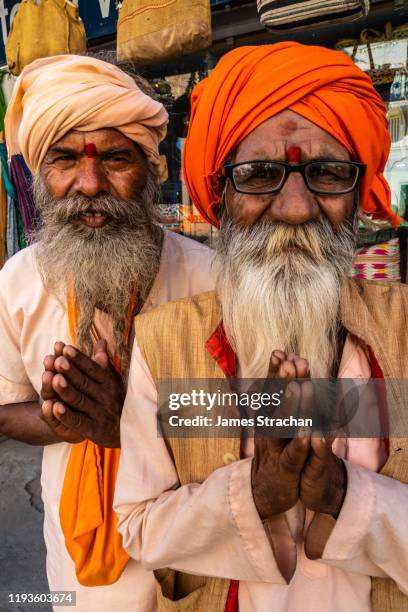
<point x="49" y="418"/>
<point x="274" y="363"/>
<point x="76" y="421"/>
<point x="302" y="367"/>
<point x="321" y="447"/>
<point x="70" y="395"/>
<point x="101" y="354"/>
<point x="46" y="409"/>
<point x="49" y="363"/>
<point x="58" y="348"/>
<point x="318" y="459"/>
<point x="77" y="378"/>
<point x="291" y="400"/>
<point x="306" y="402"/>
<point x="85" y="364"/>
<point x="279" y="354"/>
<point x="287" y="370"/>
<point x="47" y="391"/>
<point x="294" y="455"/>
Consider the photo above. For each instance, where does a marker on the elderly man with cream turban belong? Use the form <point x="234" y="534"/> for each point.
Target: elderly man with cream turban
<point x="286" y="148"/>
<point x="90" y="136"/>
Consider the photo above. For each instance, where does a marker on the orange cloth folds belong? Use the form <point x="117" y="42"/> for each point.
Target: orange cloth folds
<point x="251" y="84"/>
<point x="87" y="517"/>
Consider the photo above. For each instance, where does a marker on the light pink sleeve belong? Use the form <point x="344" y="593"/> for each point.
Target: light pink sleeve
<point x="209" y="529"/>
<point x="371" y="535"/>
<point x="15" y="385"/>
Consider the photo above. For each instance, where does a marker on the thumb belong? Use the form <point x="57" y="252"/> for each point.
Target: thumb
<point x="101" y="354"/>
<point x="321" y="446"/>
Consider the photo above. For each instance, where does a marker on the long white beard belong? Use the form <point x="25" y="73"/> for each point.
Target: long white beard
<point x="105" y="265"/>
<point x="279" y="287"/>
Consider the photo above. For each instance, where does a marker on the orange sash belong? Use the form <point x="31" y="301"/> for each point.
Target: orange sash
<point x="87" y="517"/>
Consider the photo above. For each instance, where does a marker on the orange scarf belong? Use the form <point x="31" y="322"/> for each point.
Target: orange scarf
<point x="87" y="517"/>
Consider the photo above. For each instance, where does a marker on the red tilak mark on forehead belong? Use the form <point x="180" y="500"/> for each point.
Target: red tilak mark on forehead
<point x="90" y="150"/>
<point x="294" y="154"/>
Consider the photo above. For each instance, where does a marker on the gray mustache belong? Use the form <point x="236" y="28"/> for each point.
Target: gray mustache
<point x="70" y="208"/>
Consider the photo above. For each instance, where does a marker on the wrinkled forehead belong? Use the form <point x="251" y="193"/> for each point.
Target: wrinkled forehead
<point x="99" y="140"/>
<point x="285" y="132"/>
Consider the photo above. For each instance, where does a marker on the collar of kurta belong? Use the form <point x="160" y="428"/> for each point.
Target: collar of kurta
<point x="221" y="351"/>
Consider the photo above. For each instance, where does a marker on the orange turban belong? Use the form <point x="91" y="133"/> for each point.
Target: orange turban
<point x="57" y="94"/>
<point x="251" y="84"/>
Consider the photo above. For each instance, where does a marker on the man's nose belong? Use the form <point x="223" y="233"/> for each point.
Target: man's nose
<point x="294" y="204"/>
<point x="91" y="179"/>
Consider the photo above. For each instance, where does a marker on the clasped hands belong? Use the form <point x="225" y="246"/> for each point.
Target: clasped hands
<point x="82" y="397"/>
<point x="305" y="467"/>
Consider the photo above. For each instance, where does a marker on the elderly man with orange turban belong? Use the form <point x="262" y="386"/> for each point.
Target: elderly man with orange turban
<point x="90" y="134"/>
<point x="285" y="151"/>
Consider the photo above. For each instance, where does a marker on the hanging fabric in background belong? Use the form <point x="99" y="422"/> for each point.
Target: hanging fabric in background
<point x="12" y="234"/>
<point x="22" y="180"/>
<point x="7" y="85"/>
<point x="44" y="28"/>
<point x="367" y="52"/>
<point x="15" y="240"/>
<point x="280" y="15"/>
<point x="156" y="30"/>
<point x="3" y="194"/>
<point x="3" y="221"/>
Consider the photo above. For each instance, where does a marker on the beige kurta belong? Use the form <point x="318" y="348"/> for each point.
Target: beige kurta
<point x="213" y="528"/>
<point x="31" y="320"/>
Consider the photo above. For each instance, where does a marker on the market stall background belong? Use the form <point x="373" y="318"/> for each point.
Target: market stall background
<point x="99" y="16"/>
<point x="235" y="23"/>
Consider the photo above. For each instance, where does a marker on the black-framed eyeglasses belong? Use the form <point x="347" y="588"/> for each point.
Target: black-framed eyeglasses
<point x="323" y="177"/>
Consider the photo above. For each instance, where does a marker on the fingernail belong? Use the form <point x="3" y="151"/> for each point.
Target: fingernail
<point x="70" y="351"/>
<point x="61" y="409"/>
<point x="64" y="364"/>
<point x="62" y="382"/>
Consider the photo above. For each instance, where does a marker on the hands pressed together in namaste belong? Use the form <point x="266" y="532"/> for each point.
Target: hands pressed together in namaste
<point x="305" y="467"/>
<point x="83" y="397"/>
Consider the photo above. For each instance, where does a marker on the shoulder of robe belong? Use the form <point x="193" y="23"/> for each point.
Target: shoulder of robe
<point x="379" y="307"/>
<point x="172" y="337"/>
<point x="181" y="313"/>
<point x="21" y="267"/>
<point x="188" y="244"/>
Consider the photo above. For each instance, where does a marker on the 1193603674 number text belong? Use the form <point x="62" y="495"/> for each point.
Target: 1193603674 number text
<point x="57" y="598"/>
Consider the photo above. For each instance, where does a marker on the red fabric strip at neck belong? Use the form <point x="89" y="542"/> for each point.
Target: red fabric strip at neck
<point x="220" y="350"/>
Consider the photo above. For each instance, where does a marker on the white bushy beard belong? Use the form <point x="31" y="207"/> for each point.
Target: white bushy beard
<point x="279" y="287"/>
<point x="105" y="264"/>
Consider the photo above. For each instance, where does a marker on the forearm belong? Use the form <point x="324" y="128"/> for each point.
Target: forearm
<point x="23" y="422"/>
<point x="209" y="529"/>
